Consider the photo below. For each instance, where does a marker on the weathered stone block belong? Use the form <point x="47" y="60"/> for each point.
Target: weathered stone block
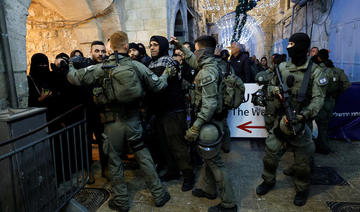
<point x="131" y="4"/>
<point x="152" y="24"/>
<point x="134" y="25"/>
<point x="132" y="36"/>
<point x="131" y="15"/>
<point x="3" y="90"/>
<point x="143" y="36"/>
<point x="159" y="12"/>
<point x="18" y="52"/>
<point x="16" y="16"/>
<point x="144" y="13"/>
<point x="22" y="89"/>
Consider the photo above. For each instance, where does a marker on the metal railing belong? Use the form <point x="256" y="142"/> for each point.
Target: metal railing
<point x="44" y="174"/>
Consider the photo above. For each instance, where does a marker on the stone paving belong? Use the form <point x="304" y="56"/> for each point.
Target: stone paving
<point x="244" y="165"/>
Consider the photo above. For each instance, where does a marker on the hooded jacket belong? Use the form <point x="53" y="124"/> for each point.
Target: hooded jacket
<point x="171" y="99"/>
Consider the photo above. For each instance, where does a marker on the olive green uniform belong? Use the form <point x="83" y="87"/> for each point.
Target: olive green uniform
<point x="207" y="103"/>
<point x="338" y="82"/>
<point x="122" y="124"/>
<point x="302" y="143"/>
<point x="223" y="66"/>
<point x="271" y="103"/>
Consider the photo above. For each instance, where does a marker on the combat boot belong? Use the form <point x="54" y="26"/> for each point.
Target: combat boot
<point x="164" y="200"/>
<point x="168" y="177"/>
<point x="189" y="180"/>
<point x="301" y="197"/>
<point x="264" y="188"/>
<point x="115" y="207"/>
<point x="201" y="193"/>
<point x="220" y="208"/>
<point x="289" y="171"/>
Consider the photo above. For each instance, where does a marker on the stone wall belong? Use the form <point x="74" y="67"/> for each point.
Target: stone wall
<point x="144" y="19"/>
<point x="44" y="35"/>
<point x="46" y="26"/>
<point x="16" y="12"/>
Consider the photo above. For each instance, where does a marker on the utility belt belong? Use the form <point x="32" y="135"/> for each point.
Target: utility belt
<point x="112" y="112"/>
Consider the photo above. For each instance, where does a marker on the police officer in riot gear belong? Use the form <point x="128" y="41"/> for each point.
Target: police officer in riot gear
<point x="306" y="90"/>
<point x="122" y="115"/>
<point x="207" y="103"/>
<point x="338" y="82"/>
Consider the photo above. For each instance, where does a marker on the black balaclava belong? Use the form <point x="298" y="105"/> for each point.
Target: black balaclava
<point x="299" y="44"/>
<point x="164" y="46"/>
<point x="37" y="72"/>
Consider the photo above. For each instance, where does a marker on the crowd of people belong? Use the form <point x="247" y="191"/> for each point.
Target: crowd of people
<point x="169" y="110"/>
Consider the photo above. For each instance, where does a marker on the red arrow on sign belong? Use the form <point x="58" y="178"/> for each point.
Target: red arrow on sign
<point x="245" y="127"/>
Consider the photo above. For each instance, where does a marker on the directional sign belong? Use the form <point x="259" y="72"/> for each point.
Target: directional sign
<point x="247" y="121"/>
<point x="245" y="127"/>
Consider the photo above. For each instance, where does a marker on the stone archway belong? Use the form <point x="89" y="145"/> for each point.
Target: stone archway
<point x="46" y="34"/>
<point x="175" y="7"/>
<point x="253" y="35"/>
<point x="54" y="27"/>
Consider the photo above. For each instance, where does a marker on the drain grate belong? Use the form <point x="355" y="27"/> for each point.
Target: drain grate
<point x="92" y="198"/>
<point x="326" y="176"/>
<point x="344" y="206"/>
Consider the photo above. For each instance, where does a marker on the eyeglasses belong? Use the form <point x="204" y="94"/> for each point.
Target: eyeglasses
<point x="153" y="45"/>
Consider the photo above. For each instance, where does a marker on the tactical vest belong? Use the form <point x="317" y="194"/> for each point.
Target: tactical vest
<point x="231" y="88"/>
<point x="119" y="83"/>
<point x="294" y="79"/>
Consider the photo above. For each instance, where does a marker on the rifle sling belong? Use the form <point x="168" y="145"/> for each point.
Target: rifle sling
<point x="305" y="83"/>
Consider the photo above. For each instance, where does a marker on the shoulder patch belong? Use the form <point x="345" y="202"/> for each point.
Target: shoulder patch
<point x="206" y="80"/>
<point x="154" y="77"/>
<point x="322" y="80"/>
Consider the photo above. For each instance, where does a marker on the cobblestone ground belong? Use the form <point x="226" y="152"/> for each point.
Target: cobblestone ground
<point x="244" y="165"/>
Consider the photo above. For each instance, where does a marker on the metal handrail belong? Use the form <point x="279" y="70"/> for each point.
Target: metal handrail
<point x="41" y="127"/>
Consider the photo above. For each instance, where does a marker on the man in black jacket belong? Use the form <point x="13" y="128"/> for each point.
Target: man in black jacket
<point x="239" y="61"/>
<point x="168" y="107"/>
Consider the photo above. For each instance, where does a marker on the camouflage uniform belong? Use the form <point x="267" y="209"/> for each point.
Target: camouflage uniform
<point x="337" y="83"/>
<point x="302" y="143"/>
<point x="207" y="104"/>
<point x="122" y="124"/>
<point x="271" y="104"/>
<point x="223" y="66"/>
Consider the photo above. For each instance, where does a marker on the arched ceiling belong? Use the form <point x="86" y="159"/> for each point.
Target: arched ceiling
<point x="75" y="10"/>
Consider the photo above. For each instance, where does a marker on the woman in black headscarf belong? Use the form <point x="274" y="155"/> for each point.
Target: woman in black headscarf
<point x="38" y="81"/>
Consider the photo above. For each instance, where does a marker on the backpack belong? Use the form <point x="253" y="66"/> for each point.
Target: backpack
<point x="333" y="85"/>
<point x="231" y="88"/>
<point x="119" y="83"/>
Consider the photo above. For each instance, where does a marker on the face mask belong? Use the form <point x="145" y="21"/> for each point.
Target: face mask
<point x="298" y="47"/>
<point x="203" y="53"/>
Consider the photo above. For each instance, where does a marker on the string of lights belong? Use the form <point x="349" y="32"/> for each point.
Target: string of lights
<point x="256" y="16"/>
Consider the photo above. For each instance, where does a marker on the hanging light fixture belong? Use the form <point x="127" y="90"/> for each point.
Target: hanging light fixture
<point x="215" y="9"/>
<point x="226" y="23"/>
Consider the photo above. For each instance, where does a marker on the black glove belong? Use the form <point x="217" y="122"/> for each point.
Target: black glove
<point x="80" y="62"/>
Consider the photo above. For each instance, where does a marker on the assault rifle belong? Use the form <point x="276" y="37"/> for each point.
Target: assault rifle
<point x="286" y="102"/>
